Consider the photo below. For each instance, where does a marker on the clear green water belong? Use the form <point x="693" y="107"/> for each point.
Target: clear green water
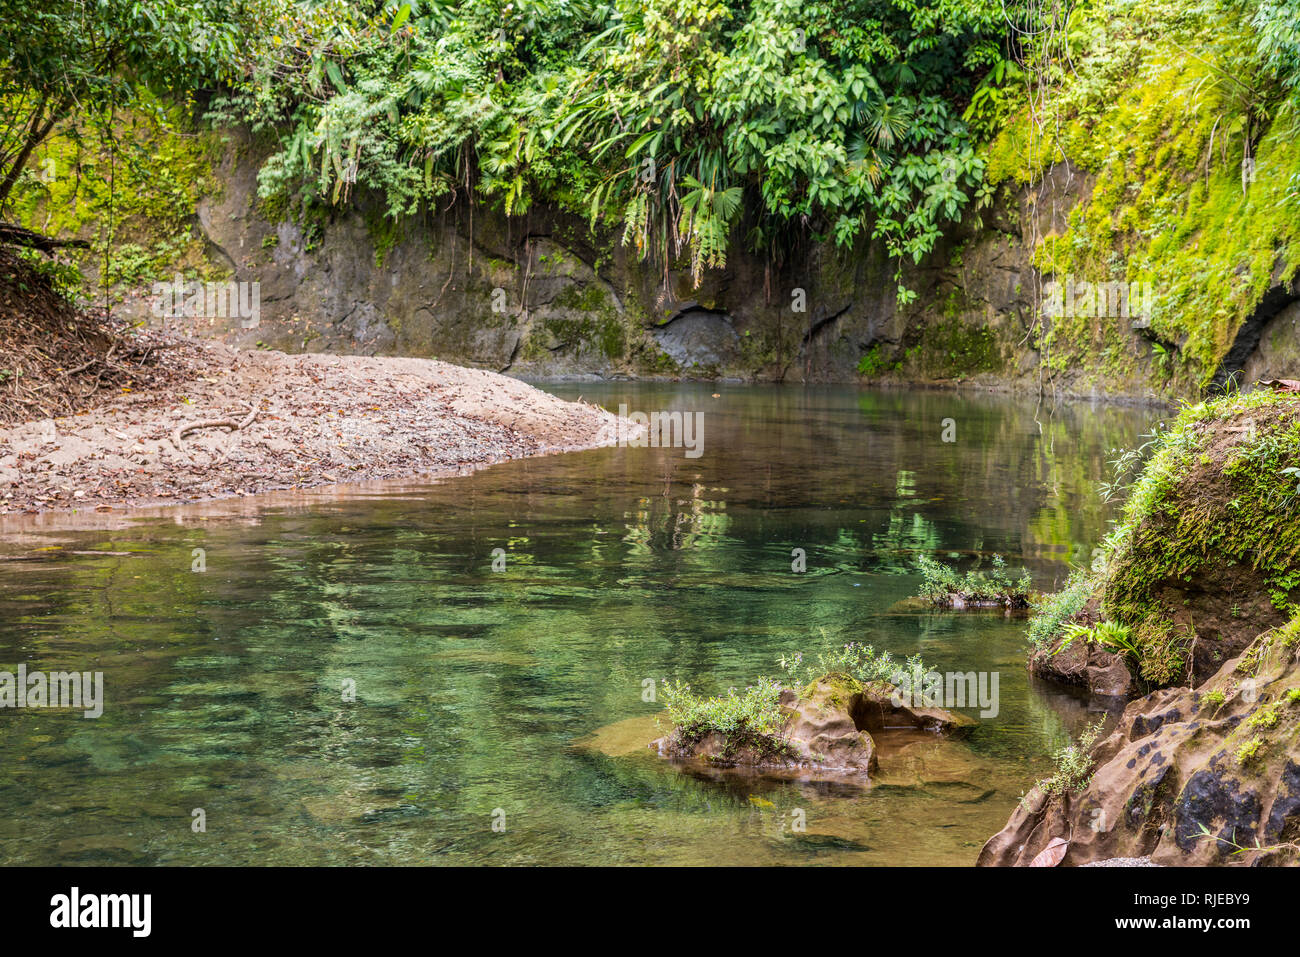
<point x="479" y="690"/>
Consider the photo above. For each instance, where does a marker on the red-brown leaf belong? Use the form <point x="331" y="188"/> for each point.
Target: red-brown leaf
<point x="1282" y="385"/>
<point x="1051" y="855"/>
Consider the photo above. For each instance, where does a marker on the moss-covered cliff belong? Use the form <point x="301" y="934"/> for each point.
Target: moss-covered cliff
<point x="1190" y="162"/>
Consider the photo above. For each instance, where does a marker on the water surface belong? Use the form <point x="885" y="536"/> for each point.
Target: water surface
<point x="478" y="692"/>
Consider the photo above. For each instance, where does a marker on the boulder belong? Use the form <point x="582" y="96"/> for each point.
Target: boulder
<point x="818" y="735"/>
<point x="1189" y="776"/>
<point x="1205" y="558"/>
<point x="877" y="708"/>
<point x="1090" y="666"/>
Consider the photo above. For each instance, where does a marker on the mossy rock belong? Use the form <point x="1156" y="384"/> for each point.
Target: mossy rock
<point x="1208" y="554"/>
<point x="874" y="707"/>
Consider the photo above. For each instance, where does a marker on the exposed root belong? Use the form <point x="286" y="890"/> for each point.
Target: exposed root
<point x="184" y="429"/>
<point x="56" y="359"/>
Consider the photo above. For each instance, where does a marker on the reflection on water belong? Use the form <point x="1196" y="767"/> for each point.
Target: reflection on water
<point x="480" y="691"/>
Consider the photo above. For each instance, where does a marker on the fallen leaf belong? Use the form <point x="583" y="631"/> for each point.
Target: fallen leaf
<point x="1282" y="385"/>
<point x="1052" y="854"/>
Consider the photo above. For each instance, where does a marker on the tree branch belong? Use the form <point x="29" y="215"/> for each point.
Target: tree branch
<point x="18" y="236"/>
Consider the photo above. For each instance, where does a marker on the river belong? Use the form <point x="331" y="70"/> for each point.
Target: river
<point x="343" y="677"/>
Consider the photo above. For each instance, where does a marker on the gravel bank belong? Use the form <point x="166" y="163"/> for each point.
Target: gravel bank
<point x="1122" y="862"/>
<point x="291" y="421"/>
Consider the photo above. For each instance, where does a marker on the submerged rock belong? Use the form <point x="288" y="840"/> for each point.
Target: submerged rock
<point x="1205" y="776"/>
<point x="828" y="728"/>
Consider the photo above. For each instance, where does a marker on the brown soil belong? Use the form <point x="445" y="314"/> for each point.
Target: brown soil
<point x="289" y="422"/>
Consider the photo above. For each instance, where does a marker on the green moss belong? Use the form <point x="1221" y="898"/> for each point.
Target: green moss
<point x="385" y="233"/>
<point x="1265" y="718"/>
<point x="1162" y="134"/>
<point x="1186" y="521"/>
<point x="590" y="318"/>
<point x="838" y="687"/>
<point x="1288" y="636"/>
<point x="951" y="348"/>
<point x="1249" y="750"/>
<point x="136" y="198"/>
<point x="874" y="362"/>
<point x="273" y="208"/>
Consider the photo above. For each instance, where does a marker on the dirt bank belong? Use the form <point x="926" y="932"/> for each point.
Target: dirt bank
<point x="289" y="422"/>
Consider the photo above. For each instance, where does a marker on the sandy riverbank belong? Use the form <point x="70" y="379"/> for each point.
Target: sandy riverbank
<point x="293" y="421"/>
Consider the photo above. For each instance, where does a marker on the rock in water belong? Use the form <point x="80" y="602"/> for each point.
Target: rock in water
<point x="878" y="707"/>
<point x="829" y="726"/>
<point x="1090" y="666"/>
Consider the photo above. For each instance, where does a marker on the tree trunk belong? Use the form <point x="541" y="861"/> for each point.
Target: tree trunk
<point x="39" y="128"/>
<point x="18" y="236"/>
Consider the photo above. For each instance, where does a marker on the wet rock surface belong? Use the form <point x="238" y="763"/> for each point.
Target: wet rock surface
<point x="1085" y="665"/>
<point x="545" y="295"/>
<point x="699" y="339"/>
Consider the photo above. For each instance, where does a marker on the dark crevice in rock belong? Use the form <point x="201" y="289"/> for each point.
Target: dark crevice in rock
<point x="819" y="324"/>
<point x="1247" y="341"/>
<point x="691" y="308"/>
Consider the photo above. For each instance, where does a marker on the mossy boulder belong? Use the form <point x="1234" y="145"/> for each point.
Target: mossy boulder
<point x="1208" y="553"/>
<point x="1205" y="776"/>
<point x="1085" y="664"/>
<point x="818" y="734"/>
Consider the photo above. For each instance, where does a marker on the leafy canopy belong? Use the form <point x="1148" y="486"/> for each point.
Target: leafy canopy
<point x="61" y="60"/>
<point x="687" y="123"/>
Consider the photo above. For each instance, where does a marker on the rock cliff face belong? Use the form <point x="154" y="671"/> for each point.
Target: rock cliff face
<point x="543" y="295"/>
